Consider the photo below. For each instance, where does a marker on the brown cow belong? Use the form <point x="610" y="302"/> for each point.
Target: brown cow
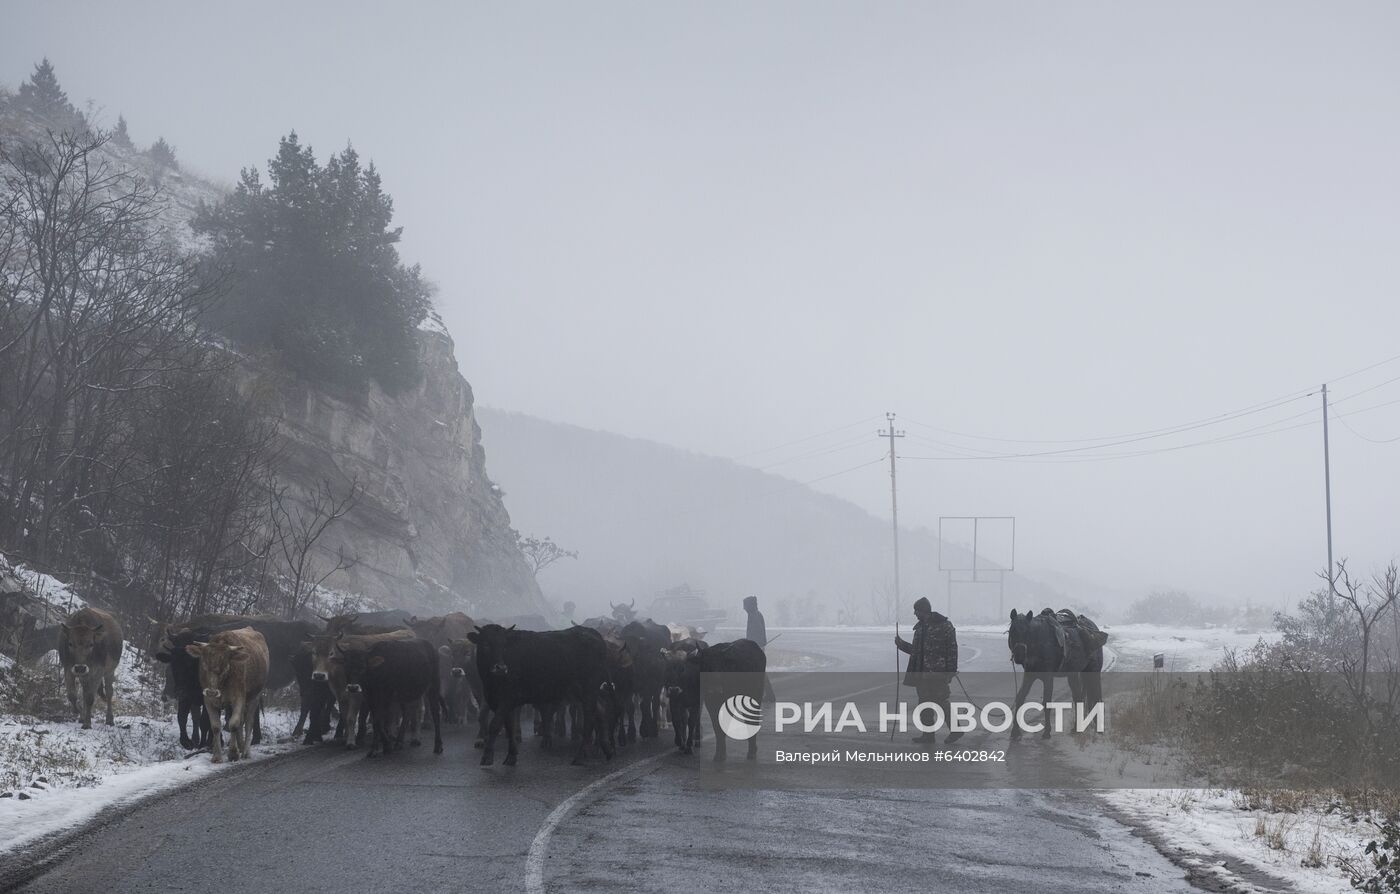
<point x="327" y="666"/>
<point x="89" y="648"/>
<point x="233" y="670"/>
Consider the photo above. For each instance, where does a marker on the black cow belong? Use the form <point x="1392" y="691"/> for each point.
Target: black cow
<point x="739" y="668"/>
<point x="395" y="674"/>
<point x="645" y="640"/>
<point x="542" y="668"/>
<point x="682" y="680"/>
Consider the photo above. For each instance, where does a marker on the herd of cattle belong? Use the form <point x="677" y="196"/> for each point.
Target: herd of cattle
<point x="388" y="673"/>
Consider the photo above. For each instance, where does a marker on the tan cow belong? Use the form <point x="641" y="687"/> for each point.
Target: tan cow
<point x="233" y="671"/>
<point x="89" y="648"/>
<point x="442" y="631"/>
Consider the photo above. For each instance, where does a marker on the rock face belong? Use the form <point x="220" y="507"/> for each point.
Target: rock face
<point x="430" y="532"/>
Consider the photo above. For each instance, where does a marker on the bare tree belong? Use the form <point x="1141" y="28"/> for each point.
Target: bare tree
<point x="1369" y="601"/>
<point x="97" y="313"/>
<point x="297" y="526"/>
<point x="541" y="553"/>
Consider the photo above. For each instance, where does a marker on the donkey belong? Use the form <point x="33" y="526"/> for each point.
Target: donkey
<point x="1052" y="645"/>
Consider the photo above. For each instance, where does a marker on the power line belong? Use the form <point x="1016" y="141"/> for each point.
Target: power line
<point x="1257" y="431"/>
<point x="866" y="421"/>
<point x="786" y="487"/>
<point x="1159" y="433"/>
<point x="1350" y="428"/>
<point x="1129" y="437"/>
<point x="862" y="440"/>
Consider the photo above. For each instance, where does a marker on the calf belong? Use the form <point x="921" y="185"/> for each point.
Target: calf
<point x="233" y="671"/>
<point x="738" y="668"/>
<point x="89" y="648"/>
<point x="541" y="668"/>
<point x="394" y="674"/>
<point x="683" y="692"/>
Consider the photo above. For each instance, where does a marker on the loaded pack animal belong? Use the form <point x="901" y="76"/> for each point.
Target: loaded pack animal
<point x="89" y="648"/>
<point x="395" y="676"/>
<point x="542" y="668"/>
<point x="233" y="667"/>
<point x="682" y="684"/>
<point x="1056" y="644"/>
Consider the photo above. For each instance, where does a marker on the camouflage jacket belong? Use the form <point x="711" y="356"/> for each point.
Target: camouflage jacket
<point x="934" y="649"/>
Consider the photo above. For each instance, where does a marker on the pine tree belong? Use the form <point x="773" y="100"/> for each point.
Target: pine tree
<point x="163" y="154"/>
<point x="42" y="95"/>
<point x="119" y="135"/>
<point x="319" y="279"/>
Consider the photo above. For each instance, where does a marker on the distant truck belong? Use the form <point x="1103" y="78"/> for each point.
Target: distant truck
<point x="682" y="605"/>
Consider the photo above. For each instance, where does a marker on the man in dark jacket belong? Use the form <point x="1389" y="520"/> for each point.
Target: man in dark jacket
<point x="757" y="630"/>
<point x="933" y="660"/>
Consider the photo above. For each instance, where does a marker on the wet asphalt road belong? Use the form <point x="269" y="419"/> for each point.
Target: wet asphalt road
<point x="326" y="820"/>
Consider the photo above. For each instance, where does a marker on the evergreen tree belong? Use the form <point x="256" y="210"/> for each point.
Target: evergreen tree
<point x="163" y="154"/>
<point x="119" y="135"/>
<point x="318" y="277"/>
<point x="42" y="95"/>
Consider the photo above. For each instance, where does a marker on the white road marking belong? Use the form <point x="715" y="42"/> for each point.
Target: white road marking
<point x="539" y="847"/>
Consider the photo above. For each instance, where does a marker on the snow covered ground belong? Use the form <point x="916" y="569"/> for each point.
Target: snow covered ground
<point x="1224" y="834"/>
<point x="54" y="775"/>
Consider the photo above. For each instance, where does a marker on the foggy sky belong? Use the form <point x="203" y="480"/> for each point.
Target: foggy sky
<point x="728" y="226"/>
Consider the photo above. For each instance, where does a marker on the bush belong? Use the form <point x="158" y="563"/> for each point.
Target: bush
<point x="1383" y="874"/>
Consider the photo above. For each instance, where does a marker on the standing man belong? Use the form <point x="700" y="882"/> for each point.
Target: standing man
<point x="757" y="630"/>
<point x="933" y="660"/>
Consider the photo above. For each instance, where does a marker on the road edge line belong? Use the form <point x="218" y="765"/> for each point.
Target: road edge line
<point x="539" y="846"/>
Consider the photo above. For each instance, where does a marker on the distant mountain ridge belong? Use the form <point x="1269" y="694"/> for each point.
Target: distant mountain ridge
<point x="645" y="516"/>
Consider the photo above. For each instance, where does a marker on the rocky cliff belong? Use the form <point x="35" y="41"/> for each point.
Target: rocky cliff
<point x="430" y="532"/>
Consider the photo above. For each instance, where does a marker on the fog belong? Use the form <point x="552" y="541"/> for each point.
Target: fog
<point x="735" y="226"/>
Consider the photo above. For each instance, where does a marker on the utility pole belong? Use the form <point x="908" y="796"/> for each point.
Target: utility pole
<point x="894" y="513"/>
<point x="1327" y="478"/>
<point x="894" y="502"/>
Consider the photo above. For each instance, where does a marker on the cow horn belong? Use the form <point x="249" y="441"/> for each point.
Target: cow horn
<point x="633" y="603"/>
<point x="511" y="627"/>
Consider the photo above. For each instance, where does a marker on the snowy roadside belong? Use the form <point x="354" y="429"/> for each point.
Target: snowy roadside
<point x="57" y="776"/>
<point x="1225" y="834"/>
